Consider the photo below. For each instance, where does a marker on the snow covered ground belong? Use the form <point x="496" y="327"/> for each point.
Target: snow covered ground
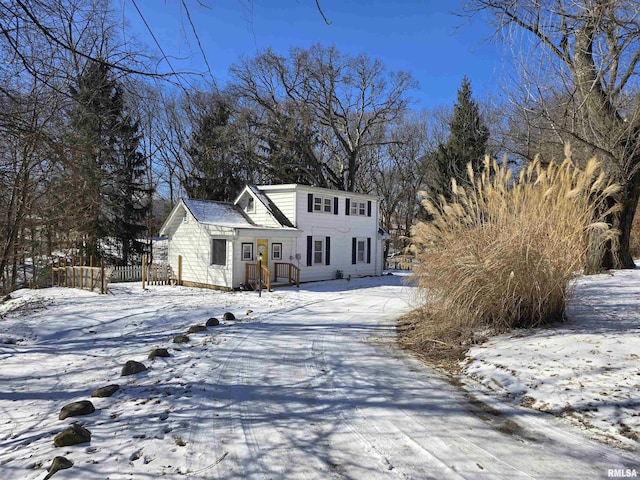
<point x="306" y="383"/>
<point x="586" y="370"/>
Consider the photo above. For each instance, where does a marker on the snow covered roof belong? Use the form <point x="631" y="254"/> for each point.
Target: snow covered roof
<point x="218" y="213"/>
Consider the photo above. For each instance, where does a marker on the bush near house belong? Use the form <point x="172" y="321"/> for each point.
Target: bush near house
<point x="501" y="254"/>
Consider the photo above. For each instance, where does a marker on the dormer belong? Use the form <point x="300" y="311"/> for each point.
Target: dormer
<point x="260" y="209"/>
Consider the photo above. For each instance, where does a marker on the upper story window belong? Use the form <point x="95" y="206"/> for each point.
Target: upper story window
<point x="251" y="205"/>
<point x="357" y="208"/>
<point x="322" y="204"/>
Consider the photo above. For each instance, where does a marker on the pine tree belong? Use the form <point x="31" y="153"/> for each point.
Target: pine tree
<point x="467" y="142"/>
<point x="216" y="173"/>
<point x="130" y="197"/>
<point x="107" y="169"/>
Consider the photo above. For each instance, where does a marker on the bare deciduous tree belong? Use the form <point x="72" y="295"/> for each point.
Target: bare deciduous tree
<point x="589" y="54"/>
<point x="338" y="100"/>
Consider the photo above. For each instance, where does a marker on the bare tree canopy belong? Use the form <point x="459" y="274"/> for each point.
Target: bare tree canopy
<point x="585" y="85"/>
<point x="341" y="99"/>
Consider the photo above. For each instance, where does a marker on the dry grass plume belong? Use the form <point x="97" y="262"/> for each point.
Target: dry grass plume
<point x="501" y="255"/>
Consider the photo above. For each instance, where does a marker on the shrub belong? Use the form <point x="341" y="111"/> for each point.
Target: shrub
<point x="501" y="255"/>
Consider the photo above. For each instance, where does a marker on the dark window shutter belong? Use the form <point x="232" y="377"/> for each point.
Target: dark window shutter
<point x="368" y="250"/>
<point x="309" y="250"/>
<point x="335" y="205"/>
<point x="327" y="243"/>
<point x="347" y="206"/>
<point x="354" y="253"/>
<point x="369" y="208"/>
<point x="310" y="203"/>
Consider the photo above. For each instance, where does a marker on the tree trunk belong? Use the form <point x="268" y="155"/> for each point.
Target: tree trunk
<point x="616" y="254"/>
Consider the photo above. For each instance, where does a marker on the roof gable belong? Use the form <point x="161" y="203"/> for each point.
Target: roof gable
<point x="271" y="207"/>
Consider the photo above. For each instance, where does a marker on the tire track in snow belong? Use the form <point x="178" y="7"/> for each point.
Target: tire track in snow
<point x="232" y="419"/>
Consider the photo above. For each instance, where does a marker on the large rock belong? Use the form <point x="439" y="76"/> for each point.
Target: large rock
<point x="181" y="338"/>
<point x="75" y="409"/>
<point x="213" y="322"/>
<point x="132" y="367"/>
<point x="159" y="352"/>
<point x="196" y="328"/>
<point x="228" y="316"/>
<point x="105" y="391"/>
<point x="58" y="463"/>
<point x="73" y="435"/>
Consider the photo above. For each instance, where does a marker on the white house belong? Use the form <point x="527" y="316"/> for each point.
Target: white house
<point x="296" y="232"/>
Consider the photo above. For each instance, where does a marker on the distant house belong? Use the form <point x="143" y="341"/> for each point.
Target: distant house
<point x="297" y="233"/>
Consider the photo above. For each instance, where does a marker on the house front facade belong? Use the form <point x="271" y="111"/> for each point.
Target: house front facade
<point x="296" y="233"/>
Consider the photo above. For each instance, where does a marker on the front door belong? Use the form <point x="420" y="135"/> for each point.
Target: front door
<point x="263" y="248"/>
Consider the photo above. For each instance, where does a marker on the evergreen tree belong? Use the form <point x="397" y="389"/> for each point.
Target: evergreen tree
<point x="216" y="173"/>
<point x="107" y="169"/>
<point x="467" y="143"/>
<point x="128" y="196"/>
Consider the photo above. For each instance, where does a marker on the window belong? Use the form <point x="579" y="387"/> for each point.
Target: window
<point x="321" y="204"/>
<point x="251" y="206"/>
<point x="361" y="251"/>
<point x="247" y="252"/>
<point x="276" y="251"/>
<point x="317" y="251"/>
<point x="358" y="208"/>
<point x="218" y="251"/>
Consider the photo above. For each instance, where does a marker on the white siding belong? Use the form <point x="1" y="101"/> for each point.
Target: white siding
<point x="192" y="241"/>
<point x="285" y="201"/>
<point x="288" y="251"/>
<point x="260" y="215"/>
<point x="341" y="228"/>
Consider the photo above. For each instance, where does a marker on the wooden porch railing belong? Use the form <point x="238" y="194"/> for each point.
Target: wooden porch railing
<point x="251" y="275"/>
<point x="288" y="271"/>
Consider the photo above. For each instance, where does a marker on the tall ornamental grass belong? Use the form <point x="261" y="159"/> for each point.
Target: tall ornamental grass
<point x="502" y="253"/>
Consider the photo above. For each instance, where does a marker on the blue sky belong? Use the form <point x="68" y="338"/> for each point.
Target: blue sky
<point x="421" y="37"/>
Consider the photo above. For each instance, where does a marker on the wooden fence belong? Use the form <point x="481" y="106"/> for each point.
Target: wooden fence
<point x="399" y="262"/>
<point x="64" y="273"/>
<point x="148" y="274"/>
<point x="74" y="274"/>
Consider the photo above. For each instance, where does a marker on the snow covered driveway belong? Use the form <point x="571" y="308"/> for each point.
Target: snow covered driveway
<point x="308" y="385"/>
